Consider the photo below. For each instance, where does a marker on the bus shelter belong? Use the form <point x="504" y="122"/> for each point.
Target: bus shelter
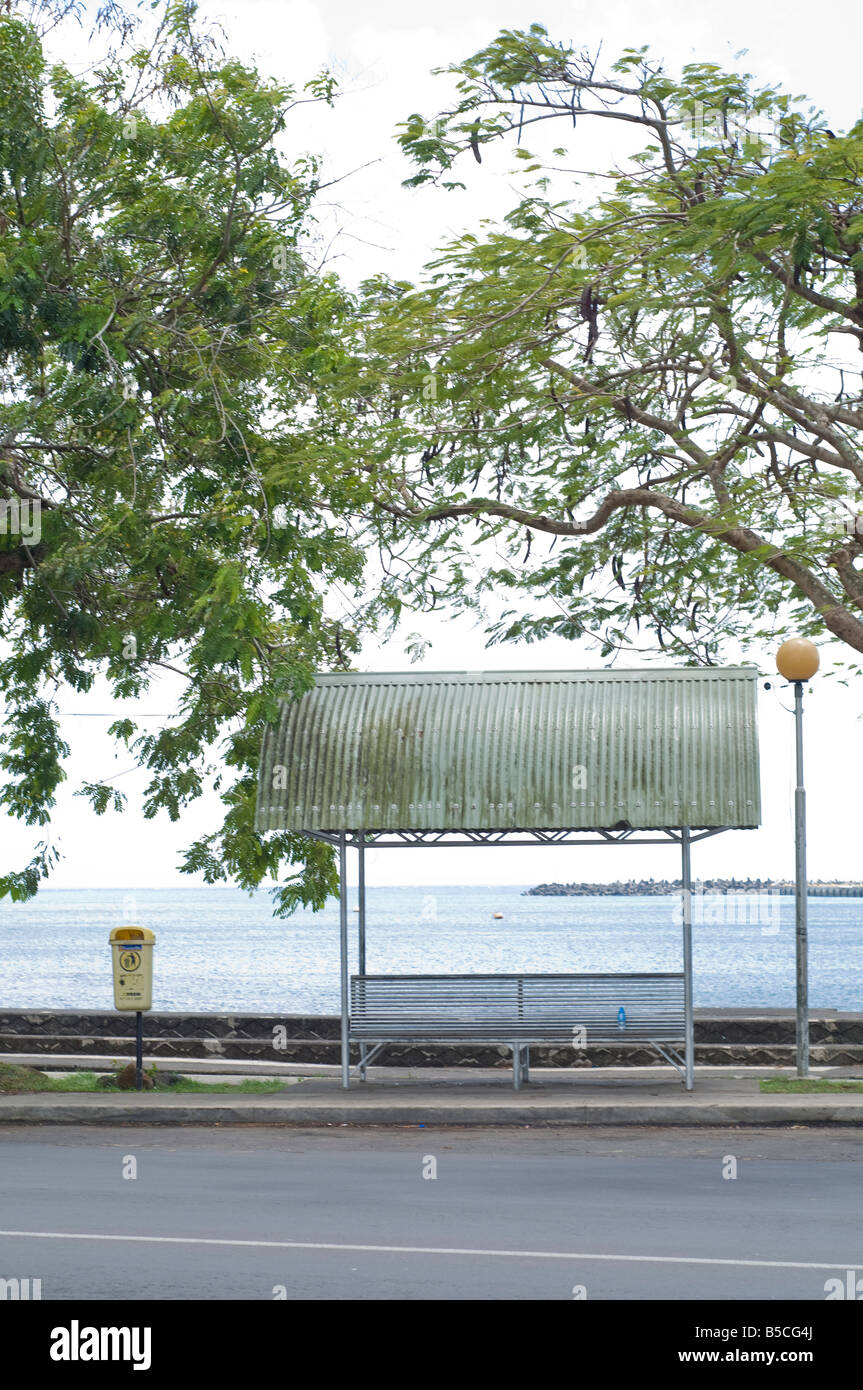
<point x="497" y="758"/>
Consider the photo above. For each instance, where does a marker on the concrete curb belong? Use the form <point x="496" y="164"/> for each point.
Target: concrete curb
<point x="129" y="1110"/>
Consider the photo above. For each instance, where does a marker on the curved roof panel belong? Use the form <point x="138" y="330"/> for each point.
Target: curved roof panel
<point x="507" y="750"/>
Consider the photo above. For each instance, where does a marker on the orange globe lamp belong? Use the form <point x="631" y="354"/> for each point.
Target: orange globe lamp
<point x="797" y="659"/>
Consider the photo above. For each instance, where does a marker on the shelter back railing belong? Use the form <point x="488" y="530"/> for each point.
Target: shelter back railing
<point x="519" y="1009"/>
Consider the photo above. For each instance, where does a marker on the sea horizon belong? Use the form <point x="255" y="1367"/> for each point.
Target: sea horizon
<point x="220" y="950"/>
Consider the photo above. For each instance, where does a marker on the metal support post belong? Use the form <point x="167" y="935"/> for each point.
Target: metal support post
<point x="686" y="884"/>
<point x="343" y="950"/>
<point x="361" y="934"/>
<point x="801" y="894"/>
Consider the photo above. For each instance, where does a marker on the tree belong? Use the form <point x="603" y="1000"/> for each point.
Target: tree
<point x="661" y="376"/>
<point x="161" y="348"/>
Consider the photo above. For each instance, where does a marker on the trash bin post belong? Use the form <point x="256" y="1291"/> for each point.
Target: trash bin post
<point x="132" y="962"/>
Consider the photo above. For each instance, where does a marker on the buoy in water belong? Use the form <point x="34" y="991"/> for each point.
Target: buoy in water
<point x="498" y="916"/>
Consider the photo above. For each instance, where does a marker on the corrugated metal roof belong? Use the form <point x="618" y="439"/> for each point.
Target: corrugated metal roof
<point x="502" y="750"/>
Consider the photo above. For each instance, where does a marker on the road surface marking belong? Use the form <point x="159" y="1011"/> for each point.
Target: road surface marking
<point x="436" y="1250"/>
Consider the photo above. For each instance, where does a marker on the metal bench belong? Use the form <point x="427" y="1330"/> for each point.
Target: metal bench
<point x="518" y="1010"/>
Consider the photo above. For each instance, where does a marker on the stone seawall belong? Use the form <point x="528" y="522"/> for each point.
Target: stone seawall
<point x="666" y="887"/>
<point x="737" y="1037"/>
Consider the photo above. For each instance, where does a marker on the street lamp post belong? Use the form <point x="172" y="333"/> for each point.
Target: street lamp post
<point x="797" y="660"/>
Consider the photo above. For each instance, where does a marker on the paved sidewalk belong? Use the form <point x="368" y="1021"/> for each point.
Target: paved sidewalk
<point x="216" y="1068"/>
<point x="396" y="1096"/>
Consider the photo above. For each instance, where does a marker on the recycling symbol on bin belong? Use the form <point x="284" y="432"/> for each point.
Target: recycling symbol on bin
<point x="130" y="961"/>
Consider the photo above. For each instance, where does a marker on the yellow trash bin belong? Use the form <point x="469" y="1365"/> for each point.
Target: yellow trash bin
<point x="132" y="952"/>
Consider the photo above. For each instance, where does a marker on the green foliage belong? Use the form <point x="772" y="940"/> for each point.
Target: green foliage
<point x="646" y="412"/>
<point x="164" y="364"/>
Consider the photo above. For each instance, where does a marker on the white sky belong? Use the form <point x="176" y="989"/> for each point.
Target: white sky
<point x="383" y="51"/>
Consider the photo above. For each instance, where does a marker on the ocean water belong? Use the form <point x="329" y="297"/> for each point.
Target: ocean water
<point x="218" y="949"/>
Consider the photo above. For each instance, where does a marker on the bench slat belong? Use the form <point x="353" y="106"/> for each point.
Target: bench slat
<point x="465" y="1008"/>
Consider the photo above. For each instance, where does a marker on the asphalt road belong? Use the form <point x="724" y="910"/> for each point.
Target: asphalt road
<point x="347" y="1214"/>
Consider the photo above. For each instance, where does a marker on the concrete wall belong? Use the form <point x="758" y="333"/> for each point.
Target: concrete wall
<point x="746" y="1039"/>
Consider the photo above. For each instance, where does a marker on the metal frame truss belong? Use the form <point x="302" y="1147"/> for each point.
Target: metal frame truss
<point x="412" y="839"/>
